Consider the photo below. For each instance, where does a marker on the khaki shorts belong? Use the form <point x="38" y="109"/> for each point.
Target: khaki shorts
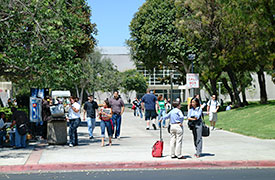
<point x="213" y="117"/>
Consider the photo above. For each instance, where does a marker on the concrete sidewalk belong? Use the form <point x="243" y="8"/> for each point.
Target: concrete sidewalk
<point x="133" y="150"/>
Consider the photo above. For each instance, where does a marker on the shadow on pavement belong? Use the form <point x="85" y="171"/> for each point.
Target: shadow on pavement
<point x="206" y="154"/>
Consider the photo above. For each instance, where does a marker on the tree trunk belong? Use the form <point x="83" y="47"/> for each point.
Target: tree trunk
<point x="234" y="86"/>
<point x="229" y="90"/>
<point x="81" y="95"/>
<point x="245" y="103"/>
<point x="77" y="91"/>
<point x="261" y="78"/>
<point x="213" y="83"/>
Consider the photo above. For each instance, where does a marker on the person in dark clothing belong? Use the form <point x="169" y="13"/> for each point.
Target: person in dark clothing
<point x="20" y="119"/>
<point x="149" y="101"/>
<point x="90" y="108"/>
<point x="46" y="115"/>
<point x="136" y="104"/>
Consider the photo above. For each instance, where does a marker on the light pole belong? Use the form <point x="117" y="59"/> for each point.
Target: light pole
<point x="171" y="80"/>
<point x="220" y="90"/>
<point x="191" y="57"/>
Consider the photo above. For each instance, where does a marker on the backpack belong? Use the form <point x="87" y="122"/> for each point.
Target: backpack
<point x="22" y="129"/>
<point x="21" y="122"/>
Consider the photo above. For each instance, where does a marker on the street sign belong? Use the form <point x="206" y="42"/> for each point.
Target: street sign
<point x="192" y="80"/>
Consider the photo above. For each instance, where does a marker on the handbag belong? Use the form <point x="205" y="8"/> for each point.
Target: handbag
<point x="133" y="107"/>
<point x="205" y="130"/>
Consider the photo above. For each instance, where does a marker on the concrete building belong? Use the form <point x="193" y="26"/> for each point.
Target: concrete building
<point x="120" y="56"/>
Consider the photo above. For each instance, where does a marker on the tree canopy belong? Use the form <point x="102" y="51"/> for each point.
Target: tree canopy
<point x="44" y="41"/>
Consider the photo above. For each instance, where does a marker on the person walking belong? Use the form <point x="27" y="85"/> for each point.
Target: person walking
<point x="149" y="101"/>
<point x="74" y="121"/>
<point x="118" y="107"/>
<point x="90" y="108"/>
<point x="46" y="115"/>
<point x="212" y="108"/>
<point x="195" y="124"/>
<point x="105" y="115"/>
<point x="135" y="107"/>
<point x="176" y="130"/>
<point x="161" y="109"/>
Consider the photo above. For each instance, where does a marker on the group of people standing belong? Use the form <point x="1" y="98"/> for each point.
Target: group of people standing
<point x="110" y="115"/>
<point x="176" y="130"/>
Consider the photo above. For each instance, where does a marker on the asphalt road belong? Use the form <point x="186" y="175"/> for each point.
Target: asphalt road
<point x="194" y="174"/>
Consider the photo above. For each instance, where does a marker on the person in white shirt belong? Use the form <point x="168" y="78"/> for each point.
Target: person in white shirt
<point x="74" y="119"/>
<point x="212" y="108"/>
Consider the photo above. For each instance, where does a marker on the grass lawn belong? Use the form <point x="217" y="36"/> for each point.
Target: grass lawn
<point x="254" y="120"/>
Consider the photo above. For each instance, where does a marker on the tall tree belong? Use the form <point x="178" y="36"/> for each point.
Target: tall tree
<point x="44" y="41"/>
<point x="155" y="41"/>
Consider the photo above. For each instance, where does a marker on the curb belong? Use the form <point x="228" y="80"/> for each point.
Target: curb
<point x="135" y="165"/>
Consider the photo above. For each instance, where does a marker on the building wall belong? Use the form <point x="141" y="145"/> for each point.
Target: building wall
<point x="120" y="56"/>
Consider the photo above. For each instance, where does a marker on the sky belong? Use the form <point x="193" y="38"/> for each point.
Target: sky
<point x="113" y="18"/>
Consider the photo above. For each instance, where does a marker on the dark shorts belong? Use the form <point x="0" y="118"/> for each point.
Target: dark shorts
<point x="150" y="114"/>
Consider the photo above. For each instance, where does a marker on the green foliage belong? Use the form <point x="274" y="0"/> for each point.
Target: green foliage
<point x="155" y="41"/>
<point x="43" y="42"/>
<point x="132" y="80"/>
<point x="254" y="120"/>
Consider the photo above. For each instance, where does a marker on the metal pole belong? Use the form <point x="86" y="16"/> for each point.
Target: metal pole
<point x="192" y="90"/>
<point x="219" y="91"/>
<point x="171" y="80"/>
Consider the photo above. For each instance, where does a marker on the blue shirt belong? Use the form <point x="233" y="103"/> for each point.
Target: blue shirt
<point x="175" y="116"/>
<point x="195" y="112"/>
<point x="150" y="101"/>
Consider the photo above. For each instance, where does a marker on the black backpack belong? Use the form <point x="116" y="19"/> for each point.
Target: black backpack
<point x="21" y="122"/>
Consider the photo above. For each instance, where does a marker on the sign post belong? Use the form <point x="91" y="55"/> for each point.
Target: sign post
<point x="192" y="81"/>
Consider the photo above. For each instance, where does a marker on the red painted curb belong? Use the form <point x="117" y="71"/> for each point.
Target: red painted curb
<point x="135" y="165"/>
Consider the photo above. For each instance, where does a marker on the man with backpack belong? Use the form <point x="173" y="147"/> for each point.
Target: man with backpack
<point x="212" y="108"/>
<point x="20" y="119"/>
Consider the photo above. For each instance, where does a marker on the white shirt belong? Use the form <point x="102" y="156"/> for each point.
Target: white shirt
<point x="72" y="113"/>
<point x="2" y="123"/>
<point x="213" y="105"/>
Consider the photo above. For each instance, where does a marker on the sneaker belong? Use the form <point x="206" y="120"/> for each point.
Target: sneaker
<point x="197" y="156"/>
<point x="91" y="137"/>
<point x="147" y="128"/>
<point x="154" y="126"/>
<point x="71" y="145"/>
<point x="173" y="157"/>
<point x="213" y="128"/>
<point x="182" y="157"/>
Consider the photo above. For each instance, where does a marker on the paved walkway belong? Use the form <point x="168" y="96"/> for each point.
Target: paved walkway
<point x="133" y="150"/>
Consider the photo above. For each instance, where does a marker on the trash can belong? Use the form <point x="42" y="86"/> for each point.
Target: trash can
<point x="57" y="131"/>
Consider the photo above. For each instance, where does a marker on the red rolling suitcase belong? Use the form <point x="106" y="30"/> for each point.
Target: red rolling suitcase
<point x="158" y="147"/>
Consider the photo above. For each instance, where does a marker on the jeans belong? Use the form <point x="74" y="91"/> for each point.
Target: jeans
<point x="161" y="114"/>
<point x="91" y="125"/>
<point x="140" y="112"/>
<point x="12" y="138"/>
<point x="20" y="140"/>
<point x="116" y="118"/>
<point x="74" y="123"/>
<point x="2" y="134"/>
<point x="108" y="125"/>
